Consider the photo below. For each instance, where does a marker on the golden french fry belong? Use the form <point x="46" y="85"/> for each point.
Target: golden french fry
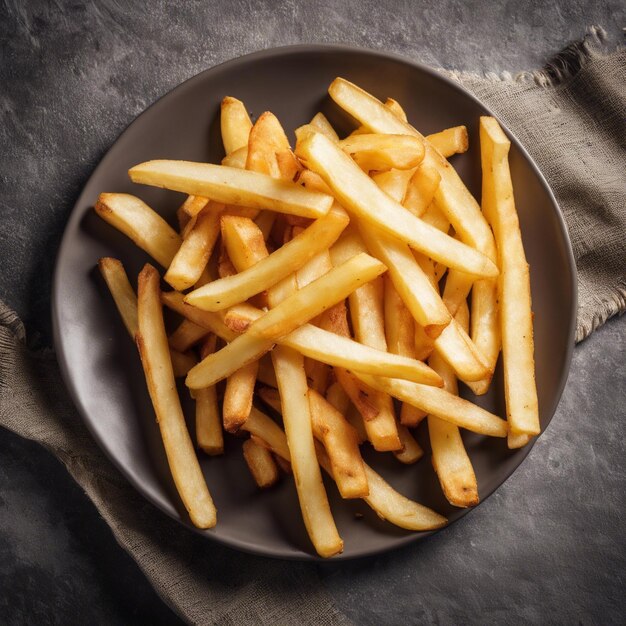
<point x="226" y="292"/>
<point x="155" y="358"/>
<point x="383" y="499"/>
<point x="266" y="373"/>
<point x="318" y="519"/>
<point x="238" y="396"/>
<point x="514" y="286"/>
<point x="237" y="159"/>
<point x="186" y="335"/>
<point x="137" y="220"/>
<point x="411" y="451"/>
<point x="193" y="255"/>
<point x="450" y="141"/>
<point x="232" y="186"/>
<point x="383" y="152"/>
<point x="361" y="196"/>
<point x="421" y="189"/>
<point x="243" y="241"/>
<point x="441" y="403"/>
<point x="424" y="345"/>
<point x="209" y="433"/>
<point x="261" y="464"/>
<point x="183" y="218"/>
<point x="341" y="443"/>
<point x="235" y="124"/>
<point x="267" y="137"/>
<point x="394" y="182"/>
<point x="338" y="398"/>
<point x="271" y="397"/>
<point x="452" y="196"/>
<point x="265" y="222"/>
<point x="400" y="334"/>
<point x="395" y="107"/>
<point x="449" y="457"/>
<point x="322" y="124"/>
<point x="193" y="205"/>
<point x="123" y="294"/>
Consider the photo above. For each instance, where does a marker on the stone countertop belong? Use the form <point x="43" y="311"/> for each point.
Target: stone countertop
<point x="547" y="547"/>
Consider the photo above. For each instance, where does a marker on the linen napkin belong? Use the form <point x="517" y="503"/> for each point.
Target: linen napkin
<point x="578" y="108"/>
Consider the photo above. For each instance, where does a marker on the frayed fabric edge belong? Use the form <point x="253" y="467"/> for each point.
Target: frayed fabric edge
<point x="560" y="68"/>
<point x="608" y="308"/>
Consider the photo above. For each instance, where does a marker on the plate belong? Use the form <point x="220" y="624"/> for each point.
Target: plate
<point x="99" y="362"/>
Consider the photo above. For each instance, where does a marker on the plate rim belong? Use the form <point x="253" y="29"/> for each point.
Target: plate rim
<point x="56" y="303"/>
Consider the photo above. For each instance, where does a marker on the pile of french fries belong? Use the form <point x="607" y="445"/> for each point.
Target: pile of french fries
<point x="308" y="280"/>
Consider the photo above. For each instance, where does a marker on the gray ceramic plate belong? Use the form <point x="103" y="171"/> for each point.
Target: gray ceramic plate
<point x="99" y="361"/>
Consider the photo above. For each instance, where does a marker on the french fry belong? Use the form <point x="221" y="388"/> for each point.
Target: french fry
<point x="193" y="255"/>
<point x="237" y="159"/>
<point x="395" y="107"/>
<point x="271" y="397"/>
<point x="424" y="345"/>
<point x="338" y="398"/>
<point x="260" y="463"/>
<point x="383" y="499"/>
<point x="183" y="219"/>
<point x="266" y="373"/>
<point x="410" y="281"/>
<point x="394" y="182"/>
<point x="123" y="294"/>
<point x="193" y="205"/>
<point x="154" y="351"/>
<point x="321" y="344"/>
<point x="450" y="141"/>
<point x="232" y="186"/>
<point x="411" y="451"/>
<point x="341" y="443"/>
<point x="265" y="221"/>
<point x="182" y="362"/>
<point x="452" y="196"/>
<point x="449" y="457"/>
<point x="383" y="152"/>
<point x="361" y="196"/>
<point x="238" y="396"/>
<point x="356" y="420"/>
<point x="139" y="222"/>
<point x="186" y="335"/>
<point x="421" y="189"/>
<point x="514" y="285"/>
<point x="267" y="137"/>
<point x="441" y="403"/>
<point x="400" y="335"/>
<point x="318" y="519"/>
<point x="209" y="433"/>
<point x="226" y="292"/>
<point x="322" y="124"/>
<point x="235" y="124"/>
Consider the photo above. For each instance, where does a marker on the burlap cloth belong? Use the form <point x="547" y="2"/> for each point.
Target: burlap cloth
<point x="577" y="105"/>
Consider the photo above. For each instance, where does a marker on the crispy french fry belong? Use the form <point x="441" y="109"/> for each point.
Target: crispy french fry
<point x="452" y="197"/>
<point x="226" y="292"/>
<point x="243" y="240"/>
<point x="362" y="197"/>
<point x="338" y="398"/>
<point x="383" y="152"/>
<point x="450" y="141"/>
<point x="183" y="219"/>
<point x="237" y="159"/>
<point x="271" y="397"/>
<point x="441" y="403"/>
<point x="123" y="294"/>
<point x="424" y="345"/>
<point x="341" y="443"/>
<point x="449" y="457"/>
<point x="411" y="451"/>
<point x="265" y="221"/>
<point x="322" y="124"/>
<point x="421" y="189"/>
<point x="395" y="107"/>
<point x="261" y="464"/>
<point x="238" y="396"/>
<point x="383" y="499"/>
<point x="193" y="205"/>
<point x="155" y="358"/>
<point x="514" y="287"/>
<point x="137" y="220"/>
<point x="232" y="186"/>
<point x="195" y="250"/>
<point x="318" y="519"/>
<point x="186" y="335"/>
<point x="235" y="124"/>
<point x="400" y="334"/>
<point x="312" y="181"/>
<point x="356" y="420"/>
<point x="266" y="373"/>
<point x="394" y="182"/>
<point x="209" y="433"/>
<point x="410" y="281"/>
<point x="182" y="362"/>
<point x="267" y="137"/>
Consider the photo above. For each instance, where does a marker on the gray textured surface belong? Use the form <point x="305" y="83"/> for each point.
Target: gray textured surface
<point x="548" y="547"/>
